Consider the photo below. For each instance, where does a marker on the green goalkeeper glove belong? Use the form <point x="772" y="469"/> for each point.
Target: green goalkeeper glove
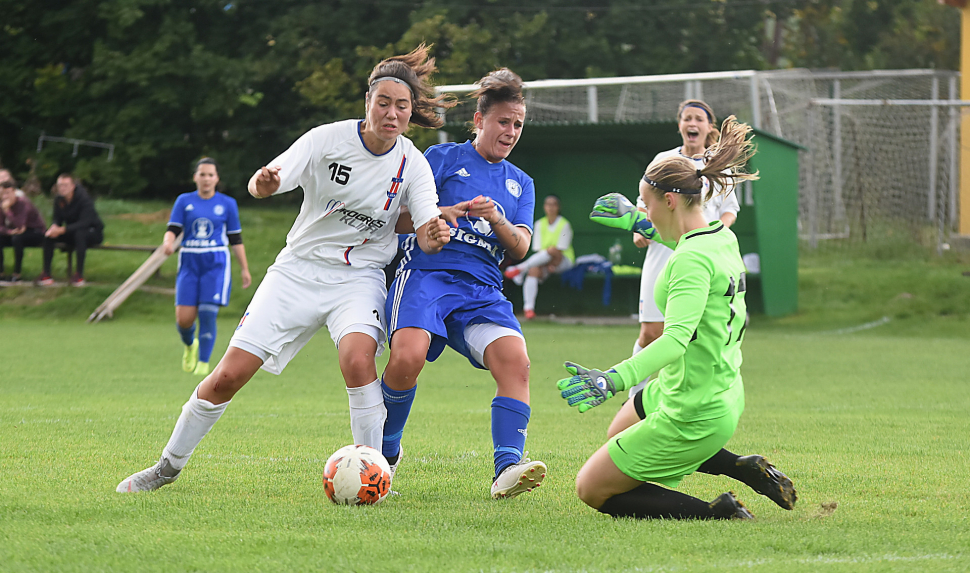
<point x="588" y="388"/>
<point x="615" y="210"/>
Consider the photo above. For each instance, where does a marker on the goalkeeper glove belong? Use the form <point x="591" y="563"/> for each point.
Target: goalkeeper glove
<point x="588" y="388"/>
<point x="615" y="210"/>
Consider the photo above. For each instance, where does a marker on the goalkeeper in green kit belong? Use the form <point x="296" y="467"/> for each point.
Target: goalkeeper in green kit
<point x="680" y="422"/>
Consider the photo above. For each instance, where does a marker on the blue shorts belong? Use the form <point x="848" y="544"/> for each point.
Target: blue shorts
<point x="444" y="303"/>
<point x="203" y="278"/>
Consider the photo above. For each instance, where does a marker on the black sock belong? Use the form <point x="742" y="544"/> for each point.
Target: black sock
<point x="392" y="459"/>
<point x="722" y="463"/>
<point x="650" y="501"/>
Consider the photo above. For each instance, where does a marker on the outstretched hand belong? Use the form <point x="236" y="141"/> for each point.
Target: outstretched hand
<point x="615" y="210"/>
<point x="453" y="212"/>
<point x="483" y="207"/>
<point x="587" y="388"/>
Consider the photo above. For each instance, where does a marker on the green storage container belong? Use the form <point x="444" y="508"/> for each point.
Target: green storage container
<point x="581" y="162"/>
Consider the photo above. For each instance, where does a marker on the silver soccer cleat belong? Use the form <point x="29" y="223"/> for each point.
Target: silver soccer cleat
<point x="149" y="479"/>
<point x="518" y="478"/>
<point x="400" y="456"/>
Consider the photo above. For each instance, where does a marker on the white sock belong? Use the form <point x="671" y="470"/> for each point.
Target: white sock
<point x="198" y="417"/>
<point x="636" y="350"/>
<point x="536" y="260"/>
<point x="367" y="414"/>
<point x="530" y="290"/>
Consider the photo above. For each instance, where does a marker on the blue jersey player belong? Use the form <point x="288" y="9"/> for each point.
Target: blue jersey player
<point x="455" y="298"/>
<point x="209" y="223"/>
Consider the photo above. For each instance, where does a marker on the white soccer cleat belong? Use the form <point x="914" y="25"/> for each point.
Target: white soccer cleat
<point x="149" y="479"/>
<point x="518" y="478"/>
<point x="400" y="456"/>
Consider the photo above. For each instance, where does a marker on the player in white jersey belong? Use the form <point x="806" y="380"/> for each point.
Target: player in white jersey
<point x="698" y="131"/>
<point x="356" y="176"/>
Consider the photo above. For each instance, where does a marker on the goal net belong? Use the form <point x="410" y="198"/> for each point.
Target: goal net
<point x="880" y="147"/>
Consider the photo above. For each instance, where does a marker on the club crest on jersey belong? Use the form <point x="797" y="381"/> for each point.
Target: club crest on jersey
<point x="481" y="226"/>
<point x="396" y="183"/>
<point x="513" y="187"/>
<point x="219" y="210"/>
<point x="333" y="205"/>
<point x="202" y="228"/>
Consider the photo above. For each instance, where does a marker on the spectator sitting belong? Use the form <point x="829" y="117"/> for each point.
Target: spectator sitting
<point x="21" y="225"/>
<point x="76" y="223"/>
<point x="552" y="242"/>
<point x="5" y="175"/>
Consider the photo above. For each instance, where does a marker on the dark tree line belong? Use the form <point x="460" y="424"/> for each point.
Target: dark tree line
<point x="167" y="81"/>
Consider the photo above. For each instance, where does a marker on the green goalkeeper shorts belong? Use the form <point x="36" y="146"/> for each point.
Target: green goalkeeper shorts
<point x="662" y="450"/>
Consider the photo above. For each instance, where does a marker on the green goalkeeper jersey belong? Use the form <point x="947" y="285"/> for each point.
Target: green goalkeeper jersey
<point x="701" y="292"/>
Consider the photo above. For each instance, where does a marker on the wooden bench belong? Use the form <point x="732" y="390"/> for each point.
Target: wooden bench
<point x="64" y="247"/>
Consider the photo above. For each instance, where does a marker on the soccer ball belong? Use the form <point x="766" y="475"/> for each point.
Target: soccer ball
<point x="356" y="475"/>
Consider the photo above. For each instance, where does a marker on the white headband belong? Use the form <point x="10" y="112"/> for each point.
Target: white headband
<point x="393" y="79"/>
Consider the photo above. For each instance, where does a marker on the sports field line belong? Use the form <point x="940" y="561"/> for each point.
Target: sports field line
<point x="866" y="326"/>
<point x="821" y="560"/>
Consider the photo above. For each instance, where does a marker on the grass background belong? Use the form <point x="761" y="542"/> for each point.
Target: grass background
<point x="874" y="421"/>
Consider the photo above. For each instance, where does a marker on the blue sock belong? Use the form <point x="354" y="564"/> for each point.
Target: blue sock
<point x="510" y="420"/>
<point x="207" y="330"/>
<point x="398" y="406"/>
<point x="187" y="334"/>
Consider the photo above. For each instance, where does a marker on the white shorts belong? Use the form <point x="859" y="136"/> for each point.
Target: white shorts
<point x="653" y="266"/>
<point x="298" y="297"/>
<point x="479" y="336"/>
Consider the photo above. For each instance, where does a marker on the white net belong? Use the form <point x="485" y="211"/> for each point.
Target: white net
<point x="873" y="172"/>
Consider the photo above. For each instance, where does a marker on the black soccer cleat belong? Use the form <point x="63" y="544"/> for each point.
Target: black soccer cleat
<point x="726" y="506"/>
<point x="762" y="477"/>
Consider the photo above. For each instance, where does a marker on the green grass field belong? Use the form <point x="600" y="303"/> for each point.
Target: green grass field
<point x="872" y="422"/>
<point x="875" y="424"/>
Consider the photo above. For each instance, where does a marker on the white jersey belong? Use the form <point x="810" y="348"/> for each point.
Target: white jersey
<point x="351" y="197"/>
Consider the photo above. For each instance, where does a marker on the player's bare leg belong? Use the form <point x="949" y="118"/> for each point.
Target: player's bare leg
<point x="409" y="350"/>
<point x="204" y="408"/>
<point x="626" y="417"/>
<point x="649" y="331"/>
<point x="356" y="353"/>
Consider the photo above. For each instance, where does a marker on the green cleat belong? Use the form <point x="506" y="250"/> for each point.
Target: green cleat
<point x="190" y="357"/>
<point x="201" y="369"/>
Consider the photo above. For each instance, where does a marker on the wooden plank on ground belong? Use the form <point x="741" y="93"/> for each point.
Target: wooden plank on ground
<point x="131" y="284"/>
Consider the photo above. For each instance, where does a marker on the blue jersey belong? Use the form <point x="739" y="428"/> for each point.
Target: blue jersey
<point x="461" y="174"/>
<point x="205" y="223"/>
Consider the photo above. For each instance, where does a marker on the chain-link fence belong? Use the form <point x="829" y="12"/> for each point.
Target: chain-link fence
<point x="881" y="147"/>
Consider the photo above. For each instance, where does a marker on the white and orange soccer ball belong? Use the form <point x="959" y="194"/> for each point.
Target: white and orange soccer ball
<point x="356" y="475"/>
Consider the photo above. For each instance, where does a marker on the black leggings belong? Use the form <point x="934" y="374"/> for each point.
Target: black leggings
<point x="29" y="238"/>
<point x="77" y="241"/>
